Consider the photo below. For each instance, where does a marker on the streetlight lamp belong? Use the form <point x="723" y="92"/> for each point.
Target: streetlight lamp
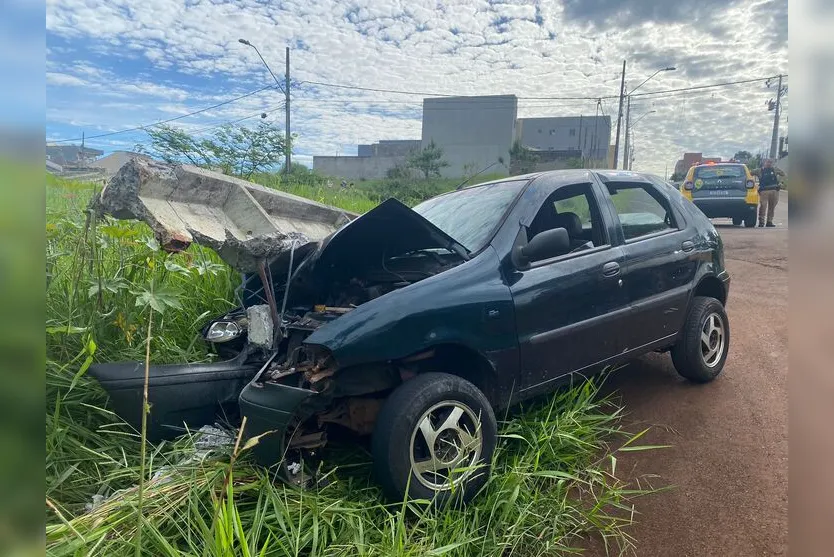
<point x="286" y="90"/>
<point x="667" y="69"/>
<point x="628" y="110"/>
<point x="247" y="43"/>
<point x="634" y="123"/>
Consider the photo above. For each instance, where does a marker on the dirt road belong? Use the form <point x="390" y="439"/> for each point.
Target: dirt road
<point x="729" y="460"/>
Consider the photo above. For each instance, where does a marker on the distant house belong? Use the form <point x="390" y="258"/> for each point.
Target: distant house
<point x="113" y="162"/>
<point x="71" y="156"/>
<point x="689" y="159"/>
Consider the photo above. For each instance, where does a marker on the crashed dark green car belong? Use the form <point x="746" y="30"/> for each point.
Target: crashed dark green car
<point x="415" y="325"/>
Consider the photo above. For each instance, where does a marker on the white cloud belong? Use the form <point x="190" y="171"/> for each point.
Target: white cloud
<point x="463" y="48"/>
<point x="57" y="78"/>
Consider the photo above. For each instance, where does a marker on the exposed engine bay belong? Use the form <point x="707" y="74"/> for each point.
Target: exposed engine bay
<point x="319" y="294"/>
<point x="338" y="297"/>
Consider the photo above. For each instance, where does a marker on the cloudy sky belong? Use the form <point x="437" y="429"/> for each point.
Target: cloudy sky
<point x="117" y="64"/>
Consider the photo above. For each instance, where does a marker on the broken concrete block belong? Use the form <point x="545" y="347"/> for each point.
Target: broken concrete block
<point x="243" y="222"/>
<point x="260" y="330"/>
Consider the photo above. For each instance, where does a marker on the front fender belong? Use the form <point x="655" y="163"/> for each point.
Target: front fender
<point x="469" y="305"/>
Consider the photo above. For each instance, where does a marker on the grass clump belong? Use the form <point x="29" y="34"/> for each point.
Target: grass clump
<point x="553" y="483"/>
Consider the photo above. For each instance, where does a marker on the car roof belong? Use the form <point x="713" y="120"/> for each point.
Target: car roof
<point x="567" y="176"/>
<point x="727" y="163"/>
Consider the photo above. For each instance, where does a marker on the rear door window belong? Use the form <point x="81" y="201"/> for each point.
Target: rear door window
<point x="641" y="210"/>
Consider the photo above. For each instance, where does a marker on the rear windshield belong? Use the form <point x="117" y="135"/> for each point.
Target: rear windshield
<point x="724" y="171"/>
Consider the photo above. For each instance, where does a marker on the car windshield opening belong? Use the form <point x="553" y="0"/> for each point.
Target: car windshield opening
<point x="471" y="215"/>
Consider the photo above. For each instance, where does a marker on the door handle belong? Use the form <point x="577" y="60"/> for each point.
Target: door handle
<point x="687" y="246"/>
<point x="611" y="269"/>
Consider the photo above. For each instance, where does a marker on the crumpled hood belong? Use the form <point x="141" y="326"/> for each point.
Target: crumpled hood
<point x="391" y="228"/>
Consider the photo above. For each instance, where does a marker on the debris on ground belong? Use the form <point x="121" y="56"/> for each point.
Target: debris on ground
<point x="208" y="441"/>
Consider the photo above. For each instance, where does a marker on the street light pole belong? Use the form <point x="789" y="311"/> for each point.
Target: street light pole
<point x="627" y="128"/>
<point x="619" y="116"/>
<point x="626" y="164"/>
<point x="629" y="150"/>
<point x="287" y="137"/>
<point x="286" y="90"/>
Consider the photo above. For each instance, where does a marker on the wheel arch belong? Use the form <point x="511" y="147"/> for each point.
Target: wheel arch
<point x="456" y="359"/>
<point x="711" y="287"/>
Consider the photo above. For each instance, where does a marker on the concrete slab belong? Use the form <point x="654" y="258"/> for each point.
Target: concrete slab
<point x="243" y="222"/>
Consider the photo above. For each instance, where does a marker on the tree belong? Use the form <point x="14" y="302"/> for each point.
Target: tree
<point x="754" y="163"/>
<point x="428" y="160"/>
<point x="237" y="151"/>
<point x="743" y="156"/>
<point x="677" y="176"/>
<point x="522" y="159"/>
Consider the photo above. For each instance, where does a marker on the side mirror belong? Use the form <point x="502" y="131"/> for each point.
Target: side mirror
<point x="545" y="245"/>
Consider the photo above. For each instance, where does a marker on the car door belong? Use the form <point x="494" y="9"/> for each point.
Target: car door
<point x="660" y="261"/>
<point x="569" y="309"/>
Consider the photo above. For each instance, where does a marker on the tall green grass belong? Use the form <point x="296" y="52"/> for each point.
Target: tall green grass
<point x="553" y="482"/>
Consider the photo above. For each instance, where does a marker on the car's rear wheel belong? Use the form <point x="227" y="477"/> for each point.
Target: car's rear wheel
<point x="750" y="220"/>
<point x="702" y="350"/>
<point x="737" y="221"/>
<point x="434" y="439"/>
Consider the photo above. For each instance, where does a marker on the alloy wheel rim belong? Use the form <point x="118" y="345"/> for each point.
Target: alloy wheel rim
<point x="713" y="340"/>
<point x="446" y="445"/>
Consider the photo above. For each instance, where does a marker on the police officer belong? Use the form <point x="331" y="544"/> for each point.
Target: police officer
<point x="768" y="194"/>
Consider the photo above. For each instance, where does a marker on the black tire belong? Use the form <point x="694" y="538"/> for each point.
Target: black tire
<point x="397" y="437"/>
<point x="688" y="354"/>
<point x="737" y="221"/>
<point x="750" y="221"/>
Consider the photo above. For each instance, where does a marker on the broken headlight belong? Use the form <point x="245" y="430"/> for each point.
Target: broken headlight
<point x="222" y="331"/>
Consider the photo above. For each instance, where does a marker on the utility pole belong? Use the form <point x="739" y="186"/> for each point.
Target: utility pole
<point x="619" y="116"/>
<point x="594" y="142"/>
<point x="626" y="154"/>
<point x="288" y="138"/>
<point x="774" y="139"/>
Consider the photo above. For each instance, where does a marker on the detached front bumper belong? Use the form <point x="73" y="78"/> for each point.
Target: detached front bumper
<point x="269" y="409"/>
<point x="180" y="396"/>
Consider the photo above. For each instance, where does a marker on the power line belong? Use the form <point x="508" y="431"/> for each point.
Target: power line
<point x="435" y="94"/>
<point x="357" y="88"/>
<point x="230" y="122"/>
<point x="699" y="87"/>
<point x="141" y="127"/>
<point x="667" y="92"/>
<point x="555" y="98"/>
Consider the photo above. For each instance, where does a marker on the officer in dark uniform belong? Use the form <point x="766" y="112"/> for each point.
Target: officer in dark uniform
<point x="768" y="194"/>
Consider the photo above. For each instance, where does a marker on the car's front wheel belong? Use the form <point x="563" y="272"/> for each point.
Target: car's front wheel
<point x="434" y="439"/>
<point x="702" y="350"/>
<point x="737" y="221"/>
